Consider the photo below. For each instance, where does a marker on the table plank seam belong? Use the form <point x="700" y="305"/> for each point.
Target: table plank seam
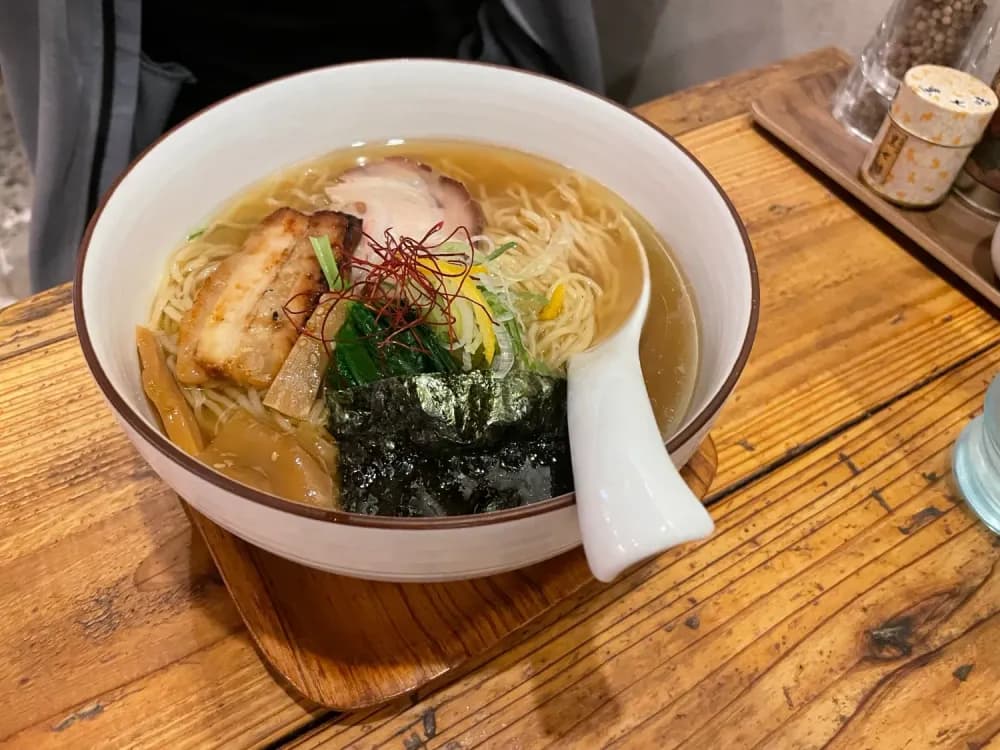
<point x="37" y="345"/>
<point x="720" y="625"/>
<point x="820" y="440"/>
<point x="303" y="731"/>
<point x="830" y="395"/>
<point x="805" y="636"/>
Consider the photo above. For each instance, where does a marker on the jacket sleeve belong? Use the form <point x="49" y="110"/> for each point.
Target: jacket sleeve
<point x="555" y="37"/>
<point x="83" y="102"/>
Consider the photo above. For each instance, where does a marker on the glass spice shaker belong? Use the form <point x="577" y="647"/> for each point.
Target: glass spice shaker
<point x="914" y="32"/>
<point x="979" y="182"/>
<point x="976" y="461"/>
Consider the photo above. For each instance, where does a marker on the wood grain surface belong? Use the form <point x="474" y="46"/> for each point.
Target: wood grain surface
<point x="116" y="631"/>
<point x="850" y="319"/>
<point x="350" y="644"/>
<point x="727" y="97"/>
<point x="798" y="113"/>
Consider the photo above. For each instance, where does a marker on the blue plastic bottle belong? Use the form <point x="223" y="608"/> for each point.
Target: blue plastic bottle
<point x="976" y="461"/>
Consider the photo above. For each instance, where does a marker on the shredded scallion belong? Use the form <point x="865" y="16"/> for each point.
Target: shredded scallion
<point x="501" y="250"/>
<point x="328" y="262"/>
<point x="195" y="234"/>
<point x="451" y="247"/>
<point x="533" y="298"/>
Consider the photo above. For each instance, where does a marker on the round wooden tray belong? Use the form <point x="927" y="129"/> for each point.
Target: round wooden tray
<point x="347" y="644"/>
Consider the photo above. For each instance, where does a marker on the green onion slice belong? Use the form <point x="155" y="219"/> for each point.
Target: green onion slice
<point x="328" y="262"/>
<point x="500" y="250"/>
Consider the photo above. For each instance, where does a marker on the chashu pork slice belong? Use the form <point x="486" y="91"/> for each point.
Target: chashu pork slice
<point x="406" y="198"/>
<point x="236" y="328"/>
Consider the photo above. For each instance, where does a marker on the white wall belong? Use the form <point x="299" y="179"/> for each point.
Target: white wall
<point x="652" y="47"/>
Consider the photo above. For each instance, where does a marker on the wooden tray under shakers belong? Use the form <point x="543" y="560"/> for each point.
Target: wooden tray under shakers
<point x="347" y="644"/>
<point x="798" y="114"/>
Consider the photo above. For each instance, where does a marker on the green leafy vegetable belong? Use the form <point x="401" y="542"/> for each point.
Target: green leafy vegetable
<point x="195" y="234"/>
<point x="436" y="350"/>
<point x="328" y="262"/>
<point x="339" y="374"/>
<point x="353" y="358"/>
<point x="501" y="250"/>
<point x="399" y="357"/>
<point x="364" y="352"/>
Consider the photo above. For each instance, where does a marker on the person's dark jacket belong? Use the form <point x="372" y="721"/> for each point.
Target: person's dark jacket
<point x="93" y="82"/>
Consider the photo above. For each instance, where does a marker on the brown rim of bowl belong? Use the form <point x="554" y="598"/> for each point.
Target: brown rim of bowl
<point x="201" y="470"/>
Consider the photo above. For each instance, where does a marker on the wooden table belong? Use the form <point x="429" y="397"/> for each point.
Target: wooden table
<point x="847" y="599"/>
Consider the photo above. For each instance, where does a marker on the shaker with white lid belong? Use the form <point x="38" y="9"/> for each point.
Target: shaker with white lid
<point x="937" y="117"/>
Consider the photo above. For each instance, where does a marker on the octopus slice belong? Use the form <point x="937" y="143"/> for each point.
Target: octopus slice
<point x="236" y="328"/>
<point x="405" y="198"/>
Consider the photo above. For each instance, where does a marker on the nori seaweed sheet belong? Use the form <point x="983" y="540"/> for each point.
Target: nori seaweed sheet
<point x="451" y="444"/>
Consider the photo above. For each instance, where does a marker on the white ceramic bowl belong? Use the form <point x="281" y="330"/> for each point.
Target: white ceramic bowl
<point x="193" y="170"/>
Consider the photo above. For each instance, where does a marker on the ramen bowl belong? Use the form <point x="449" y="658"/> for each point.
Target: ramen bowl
<point x="192" y="171"/>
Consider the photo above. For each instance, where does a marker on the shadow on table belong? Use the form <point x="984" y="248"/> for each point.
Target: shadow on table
<point x="585" y="676"/>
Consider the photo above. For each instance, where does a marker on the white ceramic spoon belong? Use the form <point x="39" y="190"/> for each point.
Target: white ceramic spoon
<point x="631" y="500"/>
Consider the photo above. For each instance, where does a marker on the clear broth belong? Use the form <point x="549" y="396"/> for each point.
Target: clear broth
<point x="669" y="345"/>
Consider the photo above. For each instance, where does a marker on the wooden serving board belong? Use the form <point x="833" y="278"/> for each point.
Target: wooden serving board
<point x="347" y="643"/>
<point x="799" y="114"/>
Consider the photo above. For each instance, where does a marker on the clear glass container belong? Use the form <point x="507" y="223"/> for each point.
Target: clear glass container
<point x="982" y="58"/>
<point x="979" y="183"/>
<point x="913" y="32"/>
<point x="976" y="461"/>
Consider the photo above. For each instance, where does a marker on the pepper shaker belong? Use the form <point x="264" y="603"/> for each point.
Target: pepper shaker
<point x="914" y="32"/>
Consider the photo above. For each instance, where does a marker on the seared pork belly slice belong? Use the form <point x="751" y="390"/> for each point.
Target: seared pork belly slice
<point x="236" y="328"/>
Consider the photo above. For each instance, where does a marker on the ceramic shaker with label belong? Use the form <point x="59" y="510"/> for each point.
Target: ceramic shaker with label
<point x="938" y="116"/>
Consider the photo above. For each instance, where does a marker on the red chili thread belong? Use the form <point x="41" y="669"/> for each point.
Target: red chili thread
<point x="399" y="289"/>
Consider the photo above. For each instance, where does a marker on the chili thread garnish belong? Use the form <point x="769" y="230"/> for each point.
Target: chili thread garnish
<point x="404" y="285"/>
